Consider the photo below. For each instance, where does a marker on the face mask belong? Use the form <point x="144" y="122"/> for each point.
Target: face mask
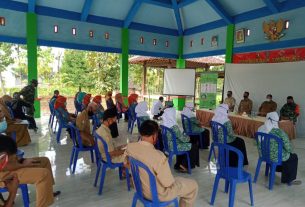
<point x="229" y="95"/>
<point x="3" y="126"/>
<point x="268" y="99"/>
<point x="245" y="96"/>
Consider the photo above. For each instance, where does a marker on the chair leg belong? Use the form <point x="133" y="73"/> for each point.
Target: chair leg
<point x="72" y="156"/>
<point x="232" y="193"/>
<point x="56" y="123"/>
<point x="258" y="167"/>
<point x="170" y="159"/>
<point x="120" y="173"/>
<point x="211" y="151"/>
<point x="102" y="179"/>
<point x="92" y="157"/>
<point x="97" y="174"/>
<point x="272" y="176"/>
<point x="132" y="125"/>
<point x="189" y="163"/>
<point x="227" y="186"/>
<point x="50" y="118"/>
<point x="25" y="195"/>
<point x="250" y="191"/>
<point x="75" y="160"/>
<point x="201" y="141"/>
<point x="127" y="179"/>
<point x="215" y="187"/>
<point x="58" y="133"/>
<point x="176" y="203"/>
<point x="134" y="200"/>
<point x="267" y="170"/>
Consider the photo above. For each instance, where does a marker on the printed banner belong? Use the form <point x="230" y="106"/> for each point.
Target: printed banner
<point x="273" y="56"/>
<point x="208" y="90"/>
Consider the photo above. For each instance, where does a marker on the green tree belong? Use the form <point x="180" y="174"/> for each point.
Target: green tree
<point x="21" y="65"/>
<point x="5" y="60"/>
<point x="45" y="60"/>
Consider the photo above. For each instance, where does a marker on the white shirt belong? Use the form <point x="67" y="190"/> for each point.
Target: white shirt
<point x="156" y="107"/>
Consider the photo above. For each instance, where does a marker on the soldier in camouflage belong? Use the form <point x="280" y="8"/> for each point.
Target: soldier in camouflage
<point x="28" y="94"/>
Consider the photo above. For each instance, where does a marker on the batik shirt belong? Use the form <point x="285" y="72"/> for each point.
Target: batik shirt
<point x="28" y="94"/>
<point x="230" y="133"/>
<point x="182" y="140"/>
<point x="195" y="125"/>
<point x="290" y="112"/>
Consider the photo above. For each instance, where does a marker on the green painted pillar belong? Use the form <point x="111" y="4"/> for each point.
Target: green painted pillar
<point x="180" y="64"/>
<point x="124" y="64"/>
<point x="31" y="41"/>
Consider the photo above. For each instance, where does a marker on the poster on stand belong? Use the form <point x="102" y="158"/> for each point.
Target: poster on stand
<point x="208" y="90"/>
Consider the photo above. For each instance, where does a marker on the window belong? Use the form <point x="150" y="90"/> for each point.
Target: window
<point x="142" y="40"/>
<point x="2" y="21"/>
<point x="74" y="31"/>
<point x="154" y="41"/>
<point x="191" y="43"/>
<point x="202" y="41"/>
<point x="91" y="34"/>
<point x="107" y="35"/>
<point x="55" y="28"/>
<point x="166" y="43"/>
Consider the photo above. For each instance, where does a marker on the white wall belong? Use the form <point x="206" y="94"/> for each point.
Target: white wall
<point x="279" y="79"/>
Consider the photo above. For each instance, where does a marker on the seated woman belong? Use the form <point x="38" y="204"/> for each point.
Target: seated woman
<point x="120" y="106"/>
<point x="79" y="99"/>
<point x="116" y="153"/>
<point x="132" y="101"/>
<point x="196" y="126"/>
<point x="141" y="111"/>
<point x="17" y="108"/>
<point x="100" y="109"/>
<point x="86" y="101"/>
<point x="289" y="166"/>
<point x="183" y="142"/>
<point x="14" y="126"/>
<point x="35" y="171"/>
<point x="221" y="116"/>
<point x="109" y="101"/>
<point x="61" y="106"/>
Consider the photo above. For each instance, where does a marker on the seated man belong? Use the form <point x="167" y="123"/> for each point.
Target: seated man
<point x="10" y="181"/>
<point x="290" y="111"/>
<point x="245" y="105"/>
<point x="157" y="109"/>
<point x="83" y="124"/>
<point x="289" y="165"/>
<point x="168" y="187"/>
<point x="54" y="97"/>
<point x="17" y="108"/>
<point x="230" y="101"/>
<point x="267" y="106"/>
<point x="36" y="171"/>
<point x="116" y="153"/>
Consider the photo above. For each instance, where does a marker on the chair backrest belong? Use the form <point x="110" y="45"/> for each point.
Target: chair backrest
<point x="77" y="105"/>
<point x="105" y="145"/>
<point x="216" y="127"/>
<point x="9" y="108"/>
<point x="263" y="142"/>
<point x="96" y="122"/>
<point x="51" y="107"/>
<point x="59" y="117"/>
<point x="186" y="124"/>
<point x="135" y="166"/>
<point x="132" y="112"/>
<point x="165" y="130"/>
<point x="223" y="167"/>
<point x="75" y="136"/>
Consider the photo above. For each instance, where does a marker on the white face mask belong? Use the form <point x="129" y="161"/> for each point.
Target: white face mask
<point x="268" y="99"/>
<point x="3" y="126"/>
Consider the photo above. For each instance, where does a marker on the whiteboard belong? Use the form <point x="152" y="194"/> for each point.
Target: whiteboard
<point x="179" y="82"/>
<point x="279" y="79"/>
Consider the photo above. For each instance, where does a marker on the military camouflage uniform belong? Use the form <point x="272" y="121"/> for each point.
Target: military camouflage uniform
<point x="290" y="111"/>
<point x="28" y="94"/>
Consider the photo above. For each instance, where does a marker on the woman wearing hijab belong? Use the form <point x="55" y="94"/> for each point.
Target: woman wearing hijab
<point x="14" y="126"/>
<point x="61" y="106"/>
<point x="86" y="101"/>
<point x="289" y="166"/>
<point x="109" y="101"/>
<point x="114" y="126"/>
<point x="221" y="116"/>
<point x="141" y="111"/>
<point x="133" y="102"/>
<point x="100" y="109"/>
<point x="183" y="142"/>
<point x="196" y="126"/>
<point x="120" y="106"/>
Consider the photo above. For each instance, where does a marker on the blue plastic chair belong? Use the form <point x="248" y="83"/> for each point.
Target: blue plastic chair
<point x="78" y="107"/>
<point x="131" y="119"/>
<point x="96" y="122"/>
<point x="263" y="142"/>
<point x="25" y="194"/>
<point x="107" y="164"/>
<point x="174" y="151"/>
<point x="231" y="175"/>
<point x="138" y="195"/>
<point x="78" y="147"/>
<point x="61" y="125"/>
<point x="52" y="115"/>
<point x="215" y="126"/>
<point x="187" y="129"/>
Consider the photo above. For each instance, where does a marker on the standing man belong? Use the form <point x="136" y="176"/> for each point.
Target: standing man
<point x="230" y="101"/>
<point x="267" y="106"/>
<point x="290" y="111"/>
<point x="245" y="105"/>
<point x="157" y="109"/>
<point x="28" y="94"/>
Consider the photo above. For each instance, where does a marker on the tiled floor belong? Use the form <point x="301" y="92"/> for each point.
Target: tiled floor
<point x="77" y="190"/>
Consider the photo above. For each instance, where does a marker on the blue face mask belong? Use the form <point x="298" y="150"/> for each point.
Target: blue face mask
<point x="3" y="126"/>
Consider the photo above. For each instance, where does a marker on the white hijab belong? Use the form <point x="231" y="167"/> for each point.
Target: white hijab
<point x="169" y="117"/>
<point x="187" y="110"/>
<point x="272" y="121"/>
<point x="221" y="114"/>
<point x="141" y="109"/>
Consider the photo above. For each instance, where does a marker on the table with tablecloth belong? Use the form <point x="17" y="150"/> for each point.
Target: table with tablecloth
<point x="244" y="125"/>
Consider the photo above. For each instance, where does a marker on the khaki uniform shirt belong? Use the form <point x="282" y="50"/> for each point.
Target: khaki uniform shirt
<point x="245" y="106"/>
<point x="83" y="122"/>
<point x="231" y="103"/>
<point x="157" y="162"/>
<point x="267" y="107"/>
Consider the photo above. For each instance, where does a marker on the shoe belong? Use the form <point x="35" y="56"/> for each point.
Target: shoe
<point x="295" y="182"/>
<point x="56" y="193"/>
